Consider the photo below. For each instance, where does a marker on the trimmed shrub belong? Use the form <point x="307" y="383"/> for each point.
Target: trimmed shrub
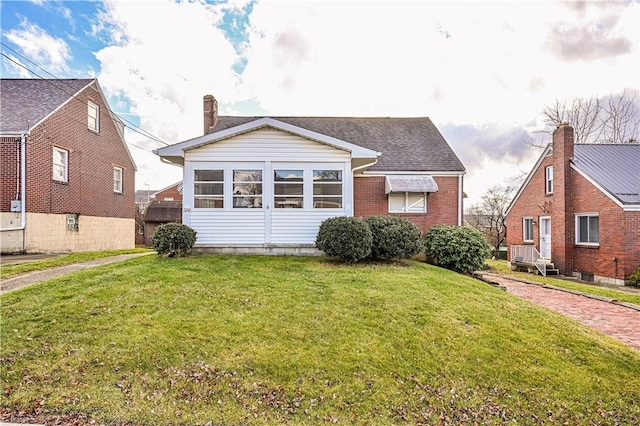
<point x="394" y="237"/>
<point x="458" y="248"/>
<point x="173" y="239"/>
<point x="348" y="238"/>
<point x="634" y="279"/>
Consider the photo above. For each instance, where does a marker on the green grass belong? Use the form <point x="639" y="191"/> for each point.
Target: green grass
<point x="9" y="269"/>
<point x="500" y="267"/>
<point x="272" y="340"/>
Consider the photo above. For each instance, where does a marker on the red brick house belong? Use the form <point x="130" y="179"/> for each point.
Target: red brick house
<point x="265" y="184"/>
<point x="579" y="209"/>
<point x="68" y="177"/>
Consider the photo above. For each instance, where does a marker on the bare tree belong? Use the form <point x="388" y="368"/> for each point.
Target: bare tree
<point x="489" y="215"/>
<point x="612" y="119"/>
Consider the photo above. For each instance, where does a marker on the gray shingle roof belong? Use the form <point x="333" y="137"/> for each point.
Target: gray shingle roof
<point x="25" y="102"/>
<point x="616" y="167"/>
<point x="406" y="144"/>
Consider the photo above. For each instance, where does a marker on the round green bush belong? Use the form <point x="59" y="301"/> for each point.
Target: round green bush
<point x="348" y="238"/>
<point x="173" y="239"/>
<point x="394" y="237"/>
<point x="460" y="249"/>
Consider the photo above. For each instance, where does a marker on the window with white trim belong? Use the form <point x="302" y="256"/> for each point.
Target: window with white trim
<point x="548" y="185"/>
<point x="527" y="229"/>
<point x="117" y="180"/>
<point x="327" y="189"/>
<point x="407" y="202"/>
<point x="587" y="229"/>
<point x="288" y="189"/>
<point x="247" y="189"/>
<point x="93" y="116"/>
<point x="60" y="164"/>
<point x="208" y="189"/>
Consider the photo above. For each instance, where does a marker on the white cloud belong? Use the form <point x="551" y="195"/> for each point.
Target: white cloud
<point x="487" y="67"/>
<point x="48" y="52"/>
<point x="163" y="63"/>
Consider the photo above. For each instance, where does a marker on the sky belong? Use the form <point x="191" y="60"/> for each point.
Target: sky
<point x="481" y="71"/>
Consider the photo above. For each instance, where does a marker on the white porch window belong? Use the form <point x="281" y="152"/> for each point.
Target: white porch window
<point x="60" y="165"/>
<point x="117" y="180"/>
<point x="527" y="229"/>
<point x="407" y="202"/>
<point x="247" y="189"/>
<point x="288" y="189"/>
<point x="588" y="229"/>
<point x="93" y="117"/>
<point x="327" y="189"/>
<point x="208" y="189"/>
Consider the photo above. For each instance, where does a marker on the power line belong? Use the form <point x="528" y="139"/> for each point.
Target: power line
<point x="132" y="126"/>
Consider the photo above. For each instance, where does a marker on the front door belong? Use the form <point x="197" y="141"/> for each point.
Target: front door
<point x="545" y="237"/>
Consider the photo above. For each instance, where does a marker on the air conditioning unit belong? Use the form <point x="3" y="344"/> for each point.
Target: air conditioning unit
<point x="16" y="205"/>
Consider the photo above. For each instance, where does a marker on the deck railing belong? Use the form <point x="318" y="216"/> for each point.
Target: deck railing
<point x="529" y="255"/>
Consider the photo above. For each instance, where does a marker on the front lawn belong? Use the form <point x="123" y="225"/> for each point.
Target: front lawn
<point x="272" y="340"/>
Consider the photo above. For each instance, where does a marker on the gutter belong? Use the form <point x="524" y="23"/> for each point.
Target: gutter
<point x="23" y="190"/>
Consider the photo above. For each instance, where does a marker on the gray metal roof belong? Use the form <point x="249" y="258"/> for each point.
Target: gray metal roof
<point x="406" y="144"/>
<point x="616" y="167"/>
<point x="26" y="102"/>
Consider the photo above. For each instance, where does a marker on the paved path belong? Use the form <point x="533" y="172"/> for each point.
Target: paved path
<point x="34" y="277"/>
<point x="618" y="320"/>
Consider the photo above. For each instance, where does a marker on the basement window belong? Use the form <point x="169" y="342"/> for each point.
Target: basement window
<point x="72" y="220"/>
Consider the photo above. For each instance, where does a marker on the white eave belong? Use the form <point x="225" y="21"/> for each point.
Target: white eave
<point x="175" y="153"/>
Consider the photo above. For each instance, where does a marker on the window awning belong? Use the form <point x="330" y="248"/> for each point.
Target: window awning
<point x="410" y="183"/>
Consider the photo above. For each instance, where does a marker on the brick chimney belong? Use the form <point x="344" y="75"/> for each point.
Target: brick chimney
<point x="562" y="222"/>
<point x="210" y="107"/>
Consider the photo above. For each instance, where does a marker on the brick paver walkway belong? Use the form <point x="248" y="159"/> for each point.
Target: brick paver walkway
<point x="615" y="320"/>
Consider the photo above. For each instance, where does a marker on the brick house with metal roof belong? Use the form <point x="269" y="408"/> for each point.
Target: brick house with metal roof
<point x="67" y="176"/>
<point x="265" y="184"/>
<point x="579" y="210"/>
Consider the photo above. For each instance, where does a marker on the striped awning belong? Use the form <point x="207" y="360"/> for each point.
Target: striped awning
<point x="410" y="183"/>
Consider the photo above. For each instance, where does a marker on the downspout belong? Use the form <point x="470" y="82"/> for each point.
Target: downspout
<point x="23" y="190"/>
<point x="460" y="198"/>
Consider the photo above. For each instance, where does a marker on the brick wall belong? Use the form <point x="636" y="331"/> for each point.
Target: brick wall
<point x="9" y="169"/>
<point x="442" y="207"/>
<point x="92" y="157"/>
<point x="619" y="232"/>
<point x="171" y="192"/>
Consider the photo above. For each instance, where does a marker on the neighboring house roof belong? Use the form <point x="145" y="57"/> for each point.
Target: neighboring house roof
<point x="27" y="102"/>
<point x="615" y="167"/>
<point x="143" y="195"/>
<point x="24" y="103"/>
<point x="406" y="144"/>
<point x="163" y="211"/>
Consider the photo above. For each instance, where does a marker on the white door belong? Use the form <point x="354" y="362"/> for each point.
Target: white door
<point x="545" y="237"/>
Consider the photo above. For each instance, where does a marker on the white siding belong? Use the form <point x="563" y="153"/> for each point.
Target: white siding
<point x="264" y="149"/>
<point x="245" y="227"/>
<point x="267" y="145"/>
<point x="298" y="227"/>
